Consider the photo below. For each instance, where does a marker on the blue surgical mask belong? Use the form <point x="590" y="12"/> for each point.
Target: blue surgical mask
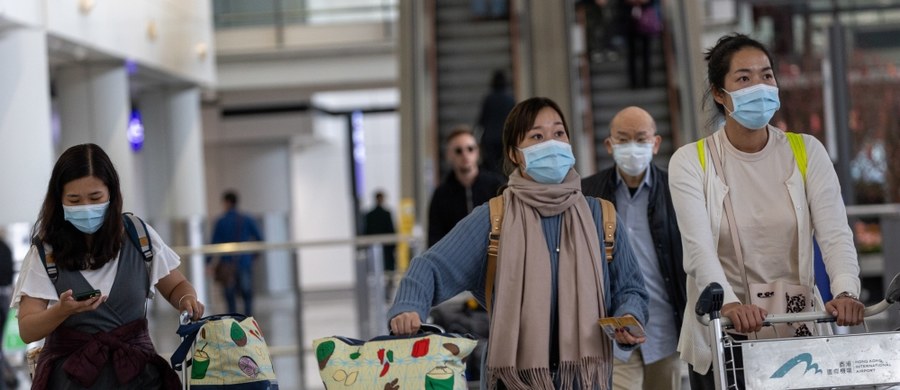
<point x="548" y="162"/>
<point x="754" y="106"/>
<point x="87" y="218"/>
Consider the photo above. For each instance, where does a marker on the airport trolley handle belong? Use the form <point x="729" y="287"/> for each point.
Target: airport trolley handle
<point x="817" y="316"/>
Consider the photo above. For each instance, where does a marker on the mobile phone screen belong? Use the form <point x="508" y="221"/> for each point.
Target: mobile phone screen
<point x="87" y="295"/>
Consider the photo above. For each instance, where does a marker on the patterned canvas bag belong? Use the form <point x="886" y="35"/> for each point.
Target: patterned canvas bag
<point x="228" y="351"/>
<point x="425" y="361"/>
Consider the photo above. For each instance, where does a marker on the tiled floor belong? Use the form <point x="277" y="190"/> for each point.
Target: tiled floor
<point x="324" y="314"/>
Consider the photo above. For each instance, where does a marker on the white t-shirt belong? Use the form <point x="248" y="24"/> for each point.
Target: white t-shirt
<point x="763" y="212"/>
<point x="34" y="282"/>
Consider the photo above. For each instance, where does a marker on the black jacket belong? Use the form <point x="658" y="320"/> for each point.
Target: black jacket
<point x="449" y="204"/>
<point x="380" y="221"/>
<point x="663" y="229"/>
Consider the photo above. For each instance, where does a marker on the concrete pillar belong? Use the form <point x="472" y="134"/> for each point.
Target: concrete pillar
<point x="550" y="57"/>
<point x="94" y="106"/>
<point x="687" y="27"/>
<point x="25" y="140"/>
<point x="173" y="168"/>
<point x="418" y="128"/>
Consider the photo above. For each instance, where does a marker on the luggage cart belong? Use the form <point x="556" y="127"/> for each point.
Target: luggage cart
<point x="184" y="318"/>
<point x="854" y="361"/>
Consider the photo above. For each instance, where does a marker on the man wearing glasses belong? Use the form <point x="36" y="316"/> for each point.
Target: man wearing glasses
<point x="640" y="191"/>
<point x="463" y="188"/>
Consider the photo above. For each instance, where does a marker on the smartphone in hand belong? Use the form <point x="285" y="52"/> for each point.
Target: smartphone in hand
<point x="83" y="296"/>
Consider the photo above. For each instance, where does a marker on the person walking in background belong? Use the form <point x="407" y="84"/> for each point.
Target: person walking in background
<point x="235" y="272"/>
<point x="495" y="106"/>
<point x="552" y="279"/>
<point x="463" y="189"/>
<point x="640" y="191"/>
<point x="100" y="339"/>
<point x="380" y="221"/>
<point x="747" y="208"/>
<point x="645" y="25"/>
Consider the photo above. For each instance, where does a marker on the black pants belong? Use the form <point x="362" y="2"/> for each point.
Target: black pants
<point x="708" y="382"/>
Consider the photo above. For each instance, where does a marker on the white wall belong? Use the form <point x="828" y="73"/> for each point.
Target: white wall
<point x="322" y="204"/>
<point x="25" y="143"/>
<point x="170" y="35"/>
<point x="257" y="171"/>
<point x="26" y="13"/>
<point x="382" y="167"/>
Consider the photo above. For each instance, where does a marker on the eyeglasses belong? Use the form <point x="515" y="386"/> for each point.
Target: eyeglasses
<point x="460" y="149"/>
<point x="642" y="140"/>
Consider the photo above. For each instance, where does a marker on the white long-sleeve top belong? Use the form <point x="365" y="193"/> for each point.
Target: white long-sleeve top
<point x="698" y="195"/>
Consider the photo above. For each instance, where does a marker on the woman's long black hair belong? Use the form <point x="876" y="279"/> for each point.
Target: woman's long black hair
<point x="72" y="249"/>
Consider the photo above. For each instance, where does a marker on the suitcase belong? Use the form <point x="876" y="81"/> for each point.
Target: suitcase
<point x="433" y="359"/>
<point x="226" y="351"/>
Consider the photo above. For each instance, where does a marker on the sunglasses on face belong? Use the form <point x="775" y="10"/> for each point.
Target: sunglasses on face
<point x="459" y="150"/>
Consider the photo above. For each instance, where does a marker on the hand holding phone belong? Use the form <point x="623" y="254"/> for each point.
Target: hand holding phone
<point x="83" y="296"/>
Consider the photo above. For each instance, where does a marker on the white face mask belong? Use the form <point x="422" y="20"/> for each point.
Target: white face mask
<point x="633" y="158"/>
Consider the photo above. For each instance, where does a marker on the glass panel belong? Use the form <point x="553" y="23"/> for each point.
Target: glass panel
<point x="243" y="13"/>
<point x="797" y="35"/>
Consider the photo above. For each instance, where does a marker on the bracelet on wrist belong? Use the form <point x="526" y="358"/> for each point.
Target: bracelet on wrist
<point x="847" y="294"/>
<point x="182" y="298"/>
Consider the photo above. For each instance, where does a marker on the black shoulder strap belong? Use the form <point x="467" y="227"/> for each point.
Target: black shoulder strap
<point x="49" y="263"/>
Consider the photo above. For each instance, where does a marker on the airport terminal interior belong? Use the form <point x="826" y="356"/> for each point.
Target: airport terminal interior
<point x="306" y="109"/>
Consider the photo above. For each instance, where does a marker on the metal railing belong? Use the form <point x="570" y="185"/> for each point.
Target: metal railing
<point x="369" y="289"/>
<point x="889" y="219"/>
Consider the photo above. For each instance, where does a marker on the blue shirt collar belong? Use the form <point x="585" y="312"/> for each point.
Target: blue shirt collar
<point x="644" y="183"/>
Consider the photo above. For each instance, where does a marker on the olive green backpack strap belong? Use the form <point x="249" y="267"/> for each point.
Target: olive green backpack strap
<point x="496" y="206"/>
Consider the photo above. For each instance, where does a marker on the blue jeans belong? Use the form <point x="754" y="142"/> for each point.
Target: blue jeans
<point x="244" y="284"/>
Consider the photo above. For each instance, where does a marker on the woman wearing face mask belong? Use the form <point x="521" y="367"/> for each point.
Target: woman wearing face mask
<point x="747" y="212"/>
<point x="101" y="342"/>
<point x="551" y="274"/>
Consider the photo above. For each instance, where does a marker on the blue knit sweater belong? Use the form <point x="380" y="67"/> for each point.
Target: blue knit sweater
<point x="458" y="263"/>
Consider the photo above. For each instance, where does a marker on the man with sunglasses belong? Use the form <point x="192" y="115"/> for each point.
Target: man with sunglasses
<point x="464" y="187"/>
<point x="640" y="191"/>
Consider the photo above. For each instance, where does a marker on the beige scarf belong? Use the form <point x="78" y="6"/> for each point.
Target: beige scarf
<point x="520" y="325"/>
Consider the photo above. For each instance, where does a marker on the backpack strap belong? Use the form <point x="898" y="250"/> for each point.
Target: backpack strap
<point x="799" y="149"/>
<point x="609" y="227"/>
<point x="496" y="206"/>
<point x="701" y="153"/>
<point x="49" y="263"/>
<point x="137" y="234"/>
